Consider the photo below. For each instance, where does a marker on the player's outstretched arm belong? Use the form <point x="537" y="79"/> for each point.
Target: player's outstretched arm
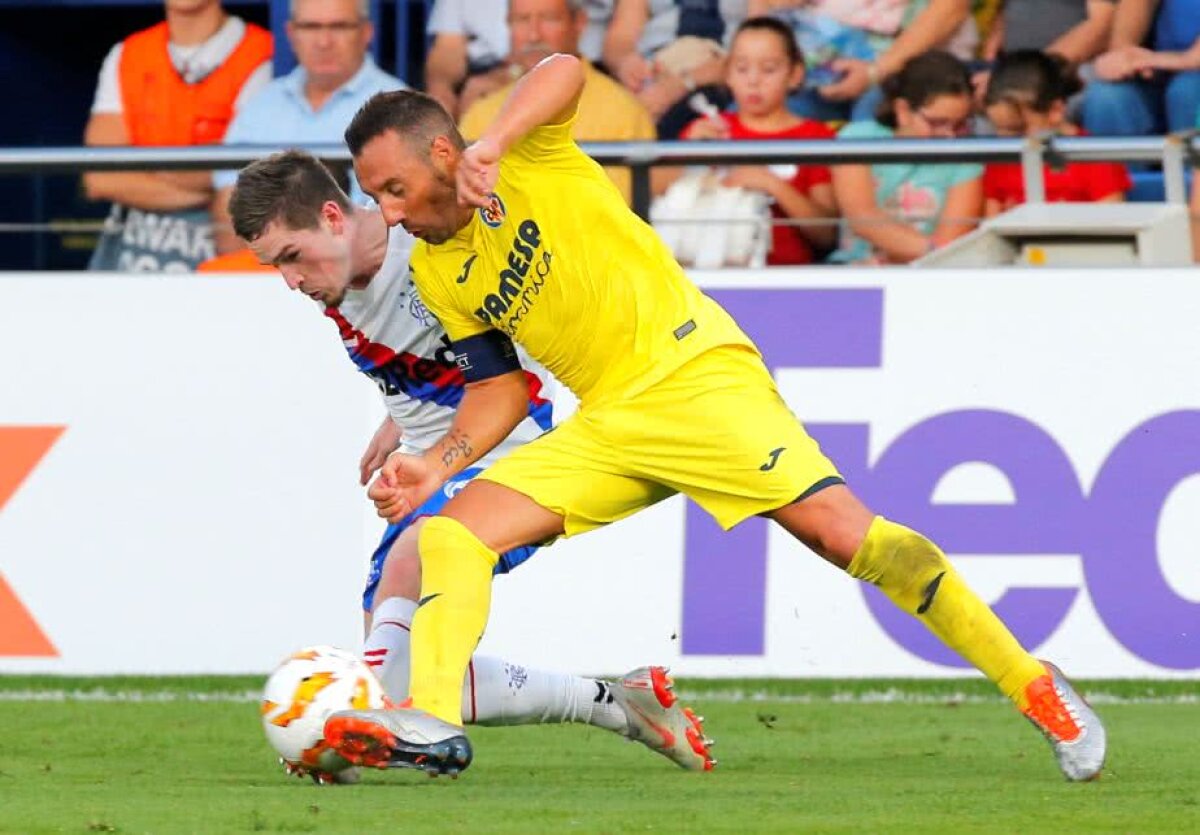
<point x="547" y="95"/>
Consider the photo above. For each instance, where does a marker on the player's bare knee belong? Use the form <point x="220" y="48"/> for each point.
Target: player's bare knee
<point x="832" y="522"/>
<point x="401" y="576"/>
<point x="502" y="518"/>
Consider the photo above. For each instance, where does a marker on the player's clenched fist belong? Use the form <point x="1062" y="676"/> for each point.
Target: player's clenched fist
<point x="478" y="171"/>
<point x="404" y="483"/>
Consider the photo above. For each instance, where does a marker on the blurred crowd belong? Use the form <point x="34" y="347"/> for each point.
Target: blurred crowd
<point x="693" y="70"/>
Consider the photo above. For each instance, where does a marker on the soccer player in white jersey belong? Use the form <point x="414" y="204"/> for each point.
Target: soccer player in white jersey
<point x="297" y="219"/>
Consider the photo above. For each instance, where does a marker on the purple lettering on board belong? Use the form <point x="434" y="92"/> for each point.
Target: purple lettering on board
<point x="1114" y="530"/>
<point x="725" y="574"/>
<point x="1121" y="560"/>
<point x="1045" y="518"/>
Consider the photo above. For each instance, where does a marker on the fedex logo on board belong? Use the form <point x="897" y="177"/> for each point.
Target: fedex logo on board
<point x="1112" y="526"/>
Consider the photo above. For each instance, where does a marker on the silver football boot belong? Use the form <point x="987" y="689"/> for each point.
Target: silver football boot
<point x="657" y="721"/>
<point x="1069" y="724"/>
<point x="402" y="737"/>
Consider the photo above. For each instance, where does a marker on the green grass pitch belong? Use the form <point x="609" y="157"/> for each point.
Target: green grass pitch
<point x="187" y="755"/>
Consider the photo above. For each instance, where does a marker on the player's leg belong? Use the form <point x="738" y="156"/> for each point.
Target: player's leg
<point x="459" y="551"/>
<point x="914" y="573"/>
<point x="425" y="732"/>
<point x="752" y="456"/>
<point x="564" y="482"/>
<point x="639" y="705"/>
<point x="494" y="691"/>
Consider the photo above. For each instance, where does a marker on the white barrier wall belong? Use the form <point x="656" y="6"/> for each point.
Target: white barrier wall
<point x="178" y="480"/>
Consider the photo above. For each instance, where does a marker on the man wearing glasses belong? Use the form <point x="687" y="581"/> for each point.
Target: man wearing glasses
<point x="313" y="103"/>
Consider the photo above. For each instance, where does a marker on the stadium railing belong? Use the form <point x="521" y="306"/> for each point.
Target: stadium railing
<point x="1174" y="152"/>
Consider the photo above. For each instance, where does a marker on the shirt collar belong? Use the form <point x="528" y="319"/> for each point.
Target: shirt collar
<point x="295" y="80"/>
<point x="360" y="79"/>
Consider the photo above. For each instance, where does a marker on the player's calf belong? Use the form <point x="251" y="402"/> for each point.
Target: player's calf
<point x="915" y="574"/>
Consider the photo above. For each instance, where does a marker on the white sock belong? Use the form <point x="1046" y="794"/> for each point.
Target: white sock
<point x="498" y="692"/>
<point x="495" y="692"/>
<point x="386" y="648"/>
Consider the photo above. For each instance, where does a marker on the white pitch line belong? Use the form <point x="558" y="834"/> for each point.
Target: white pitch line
<point x="121" y="696"/>
<point x="894" y="696"/>
<point x="891" y="696"/>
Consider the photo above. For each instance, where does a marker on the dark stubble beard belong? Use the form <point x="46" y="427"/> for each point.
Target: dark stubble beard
<point x="443" y="201"/>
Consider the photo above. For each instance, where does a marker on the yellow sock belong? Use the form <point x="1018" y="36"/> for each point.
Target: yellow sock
<point x="917" y="577"/>
<point x="456" y="594"/>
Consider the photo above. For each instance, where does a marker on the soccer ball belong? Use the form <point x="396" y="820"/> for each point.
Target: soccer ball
<point x="301" y="694"/>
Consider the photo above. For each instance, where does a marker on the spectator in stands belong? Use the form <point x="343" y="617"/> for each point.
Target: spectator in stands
<point x="607" y="111"/>
<point x="663" y="50"/>
<point x="1027" y="96"/>
<point x="176" y="83"/>
<point x="851" y="46"/>
<point x="1075" y="30"/>
<point x="468" y="56"/>
<point x="1195" y="210"/>
<point x="1140" y="90"/>
<point x="1195" y="205"/>
<point x="591" y="42"/>
<point x="897" y="212"/>
<point x="313" y="103"/>
<point x="764" y="63"/>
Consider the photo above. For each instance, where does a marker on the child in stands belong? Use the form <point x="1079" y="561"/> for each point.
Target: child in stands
<point x="1027" y="96"/>
<point x="897" y="212"/>
<point x="764" y="64"/>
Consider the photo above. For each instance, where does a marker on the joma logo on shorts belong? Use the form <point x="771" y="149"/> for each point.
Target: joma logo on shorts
<point x="517" y="286"/>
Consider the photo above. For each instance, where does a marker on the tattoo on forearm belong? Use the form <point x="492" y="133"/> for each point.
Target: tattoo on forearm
<point x="454" y="446"/>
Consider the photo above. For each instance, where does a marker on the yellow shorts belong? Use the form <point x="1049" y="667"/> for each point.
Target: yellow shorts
<point x="715" y="429"/>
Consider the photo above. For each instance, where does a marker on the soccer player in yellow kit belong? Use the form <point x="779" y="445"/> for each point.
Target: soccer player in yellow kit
<point x="523" y="238"/>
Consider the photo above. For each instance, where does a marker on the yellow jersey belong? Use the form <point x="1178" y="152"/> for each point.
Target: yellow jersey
<point x="560" y="264"/>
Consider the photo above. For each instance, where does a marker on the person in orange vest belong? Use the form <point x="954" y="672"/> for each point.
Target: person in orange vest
<point x="177" y="83"/>
<point x="238" y="261"/>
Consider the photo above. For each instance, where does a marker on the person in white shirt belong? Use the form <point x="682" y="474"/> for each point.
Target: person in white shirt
<point x="468" y="57"/>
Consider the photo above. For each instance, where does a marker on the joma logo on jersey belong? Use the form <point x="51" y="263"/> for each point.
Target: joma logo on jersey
<point x="518" y="285"/>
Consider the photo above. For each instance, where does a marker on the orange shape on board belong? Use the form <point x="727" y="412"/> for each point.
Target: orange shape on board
<point x="21" y="448"/>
